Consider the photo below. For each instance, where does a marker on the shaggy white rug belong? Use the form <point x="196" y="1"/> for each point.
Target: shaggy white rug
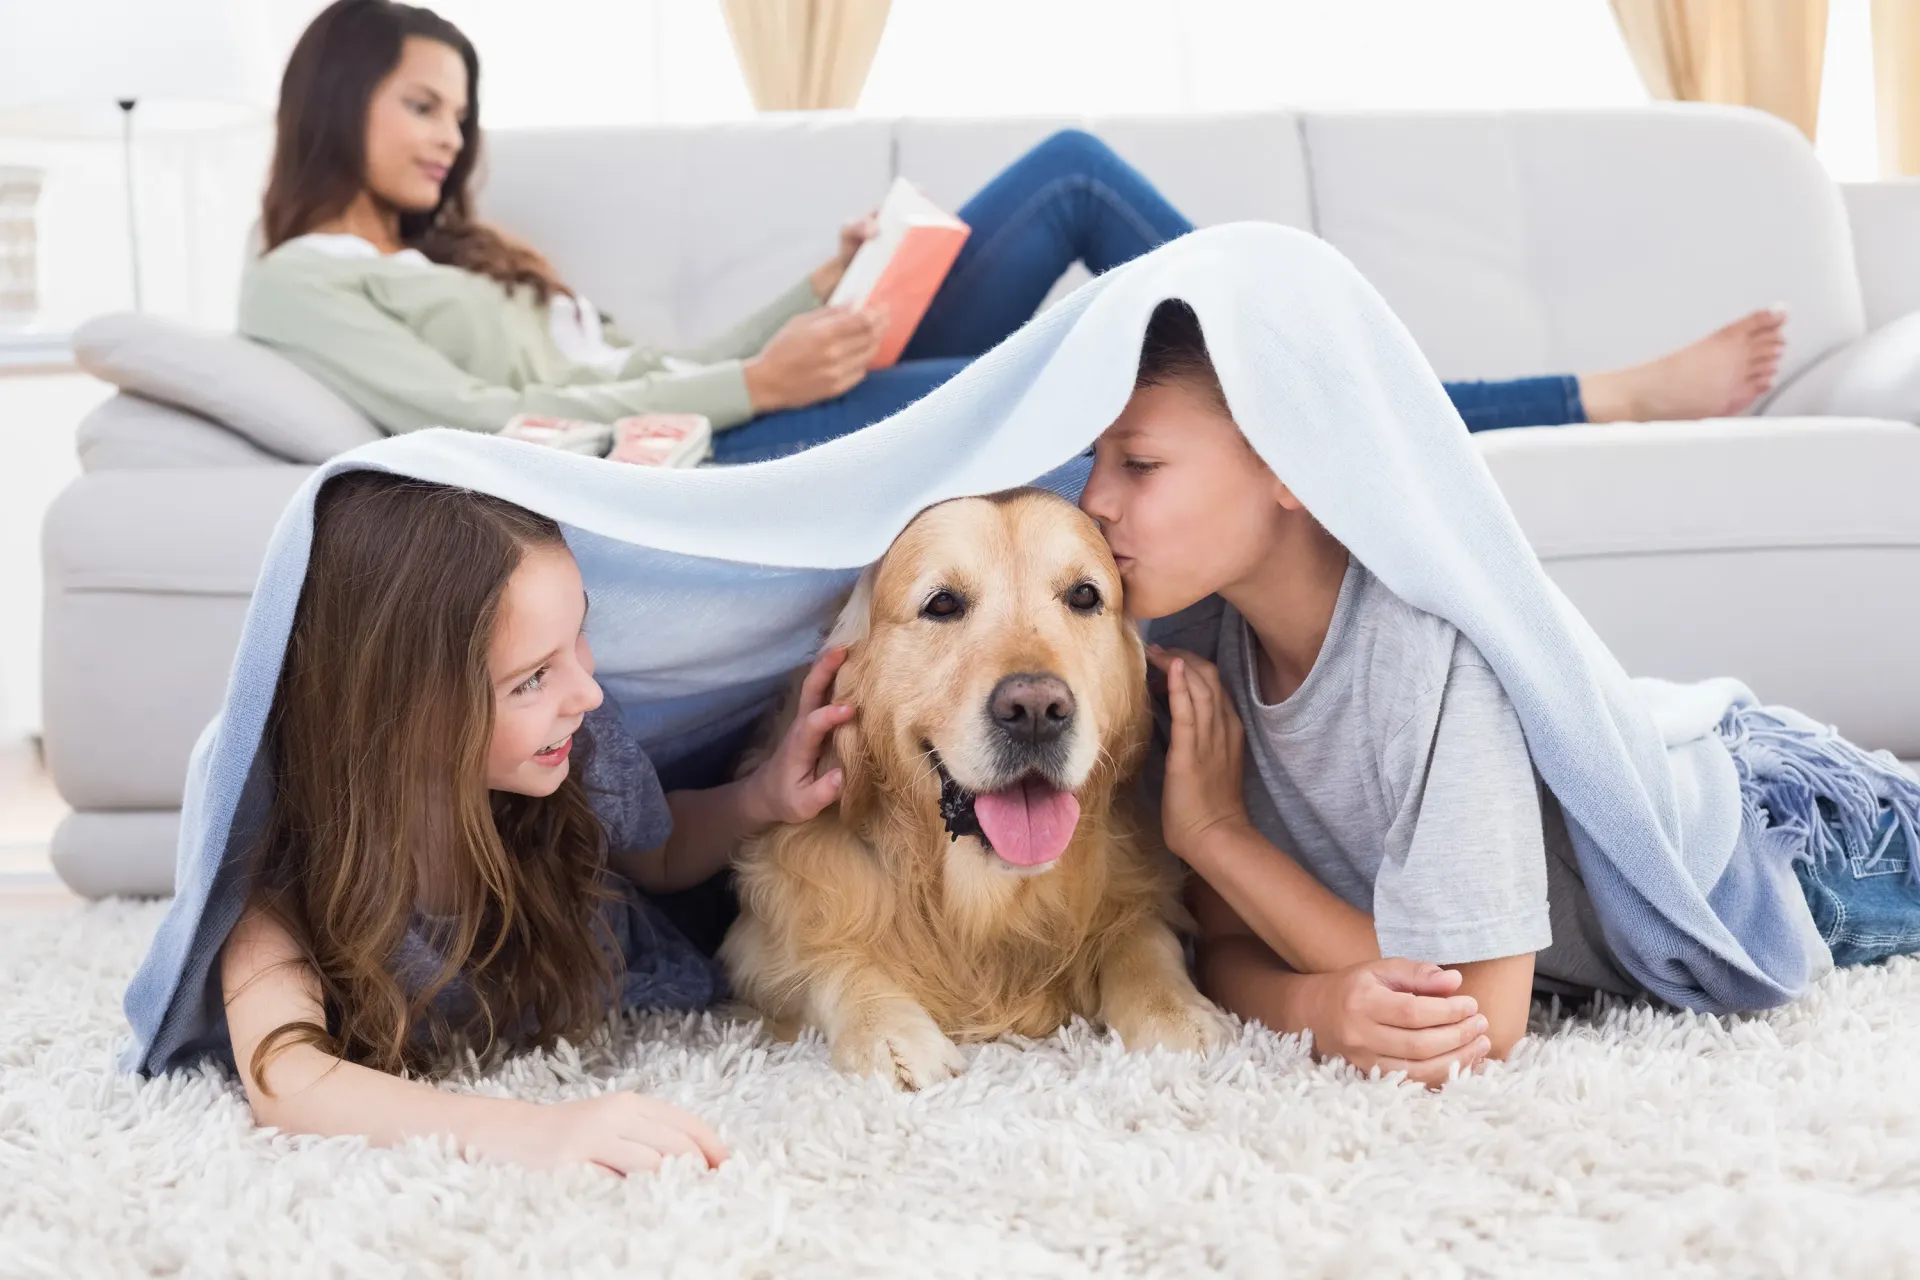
<point x="1625" y="1143"/>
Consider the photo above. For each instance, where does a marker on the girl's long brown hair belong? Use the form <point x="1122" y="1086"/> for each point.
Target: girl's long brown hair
<point x="377" y="745"/>
<point x="319" y="151"/>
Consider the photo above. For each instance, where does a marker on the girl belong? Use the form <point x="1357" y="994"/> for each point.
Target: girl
<point x="380" y="282"/>
<point x="462" y="838"/>
<point x="1350" y="781"/>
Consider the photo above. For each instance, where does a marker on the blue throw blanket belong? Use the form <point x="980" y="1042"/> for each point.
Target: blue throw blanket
<point x="709" y="585"/>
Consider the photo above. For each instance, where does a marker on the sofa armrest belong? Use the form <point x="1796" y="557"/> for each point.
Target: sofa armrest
<point x="1876" y="375"/>
<point x="1886" y="252"/>
<point x="148" y="574"/>
<point x="223" y="378"/>
<point x="127" y="432"/>
<point x="1778" y="551"/>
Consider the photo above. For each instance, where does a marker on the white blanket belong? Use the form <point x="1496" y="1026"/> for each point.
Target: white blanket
<point x="708" y="585"/>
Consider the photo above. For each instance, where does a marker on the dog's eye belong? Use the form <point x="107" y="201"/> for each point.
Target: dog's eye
<point x="942" y="605"/>
<point x="1084" y="598"/>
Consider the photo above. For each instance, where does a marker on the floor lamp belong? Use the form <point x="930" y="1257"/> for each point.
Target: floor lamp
<point x="84" y="69"/>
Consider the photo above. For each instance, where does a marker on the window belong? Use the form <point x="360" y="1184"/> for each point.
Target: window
<point x="19" y="245"/>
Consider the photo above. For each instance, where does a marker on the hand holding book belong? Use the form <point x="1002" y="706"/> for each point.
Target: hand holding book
<point x="826" y="278"/>
<point x="816" y="356"/>
<point x="901" y="266"/>
<point x="877" y="288"/>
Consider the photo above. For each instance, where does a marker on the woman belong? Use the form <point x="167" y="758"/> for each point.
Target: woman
<point x="379" y="281"/>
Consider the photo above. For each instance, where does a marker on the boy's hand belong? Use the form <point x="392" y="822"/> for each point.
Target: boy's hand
<point x="784" y="789"/>
<point x="1202" y="791"/>
<point x="1397" y="1015"/>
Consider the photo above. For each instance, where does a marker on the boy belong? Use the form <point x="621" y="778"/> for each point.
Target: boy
<point x="1380" y="799"/>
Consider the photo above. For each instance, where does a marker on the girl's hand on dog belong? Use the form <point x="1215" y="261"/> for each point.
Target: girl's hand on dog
<point x="785" y="788"/>
<point x="622" y="1132"/>
<point x="1202" y="791"/>
<point x="1397" y="1015"/>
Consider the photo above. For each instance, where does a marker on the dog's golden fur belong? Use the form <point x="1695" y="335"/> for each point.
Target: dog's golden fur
<point x="869" y="921"/>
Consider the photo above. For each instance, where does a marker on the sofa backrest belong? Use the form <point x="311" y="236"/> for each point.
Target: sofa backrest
<point x="1510" y="242"/>
<point x="1528" y="242"/>
<point x="1884" y="217"/>
<point x="678" y="231"/>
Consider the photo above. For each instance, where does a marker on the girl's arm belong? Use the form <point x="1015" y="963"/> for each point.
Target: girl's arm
<point x="303" y="1090"/>
<point x="706" y="827"/>
<point x="267" y="984"/>
<point x="708" y="824"/>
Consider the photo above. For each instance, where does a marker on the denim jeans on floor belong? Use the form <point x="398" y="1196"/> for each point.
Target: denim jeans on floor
<point x="1070" y="199"/>
<point x="1866" y="903"/>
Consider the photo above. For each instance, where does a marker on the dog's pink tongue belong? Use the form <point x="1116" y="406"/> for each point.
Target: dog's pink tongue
<point x="1029" y="823"/>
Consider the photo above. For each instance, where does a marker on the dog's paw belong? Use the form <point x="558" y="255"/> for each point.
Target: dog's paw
<point x="1187" y="1023"/>
<point x="910" y="1051"/>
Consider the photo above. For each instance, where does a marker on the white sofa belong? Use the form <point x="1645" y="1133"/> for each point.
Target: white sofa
<point x="1784" y="550"/>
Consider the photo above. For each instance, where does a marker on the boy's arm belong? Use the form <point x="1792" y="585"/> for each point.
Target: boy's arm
<point x="1469" y="887"/>
<point x="1396" y="1015"/>
<point x="1476" y="855"/>
<point x="1306" y="924"/>
<point x="1204" y="818"/>
<point x="1503" y="989"/>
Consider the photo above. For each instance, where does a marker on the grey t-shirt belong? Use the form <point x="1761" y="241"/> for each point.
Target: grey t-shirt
<point x="1397" y="773"/>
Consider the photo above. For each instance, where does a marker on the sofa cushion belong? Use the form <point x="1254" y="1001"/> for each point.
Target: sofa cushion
<point x="148" y="575"/>
<point x="1213" y="168"/>
<point x="1875" y="377"/>
<point x="1528" y="242"/>
<point x="1883" y="216"/>
<point x="224" y="378"/>
<point x="125" y="853"/>
<point x="1778" y="551"/>
<point x="676" y="232"/>
<point x="129" y="432"/>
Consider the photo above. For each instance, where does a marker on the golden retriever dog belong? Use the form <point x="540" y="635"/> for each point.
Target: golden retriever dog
<point x="980" y="874"/>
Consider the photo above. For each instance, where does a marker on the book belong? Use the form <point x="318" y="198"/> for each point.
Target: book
<point x="902" y="265"/>
<point x="644" y="439"/>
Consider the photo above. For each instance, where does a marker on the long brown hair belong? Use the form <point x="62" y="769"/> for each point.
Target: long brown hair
<point x="377" y="744"/>
<point x="320" y="143"/>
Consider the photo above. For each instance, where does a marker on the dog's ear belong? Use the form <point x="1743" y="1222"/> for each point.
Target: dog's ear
<point x="851" y="750"/>
<point x="856" y="615"/>
<point x="1134" y="728"/>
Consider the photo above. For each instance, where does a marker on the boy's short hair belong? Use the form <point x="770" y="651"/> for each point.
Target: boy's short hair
<point x="1174" y="350"/>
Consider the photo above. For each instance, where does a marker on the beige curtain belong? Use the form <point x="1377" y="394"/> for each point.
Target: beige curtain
<point x="1896" y="84"/>
<point x="805" y="55"/>
<point x="1754" y="53"/>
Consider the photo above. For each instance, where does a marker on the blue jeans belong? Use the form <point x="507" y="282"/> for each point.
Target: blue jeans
<point x="1866" y="903"/>
<point x="1070" y="199"/>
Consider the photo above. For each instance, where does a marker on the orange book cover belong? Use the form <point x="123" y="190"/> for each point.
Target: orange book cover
<point x="902" y="266"/>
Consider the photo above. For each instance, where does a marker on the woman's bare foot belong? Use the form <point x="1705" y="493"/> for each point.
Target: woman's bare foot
<point x="1716" y="377"/>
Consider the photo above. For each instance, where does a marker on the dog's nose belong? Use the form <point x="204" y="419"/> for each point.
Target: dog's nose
<point x="1032" y="709"/>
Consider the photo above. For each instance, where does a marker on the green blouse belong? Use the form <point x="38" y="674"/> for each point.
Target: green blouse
<point x="414" y="344"/>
